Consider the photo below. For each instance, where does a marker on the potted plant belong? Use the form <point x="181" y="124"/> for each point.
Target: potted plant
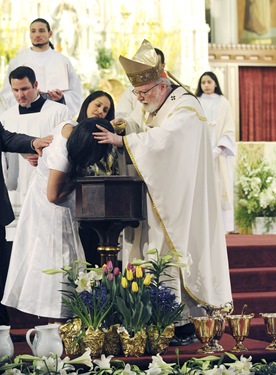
<point x="90" y="301"/>
<point x="134" y="308"/>
<point x="166" y="310"/>
<point x="256" y="194"/>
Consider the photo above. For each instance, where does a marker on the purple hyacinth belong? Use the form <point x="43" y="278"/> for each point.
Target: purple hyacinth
<point x="98" y="295"/>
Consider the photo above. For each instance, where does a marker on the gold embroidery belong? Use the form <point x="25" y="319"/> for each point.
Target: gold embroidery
<point x="190" y="109"/>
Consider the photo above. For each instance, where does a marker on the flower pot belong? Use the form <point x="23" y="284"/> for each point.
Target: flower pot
<point x="69" y="333"/>
<point x="112" y="344"/>
<point x="259" y="226"/>
<point x="158" y="343"/>
<point x="94" y="339"/>
<point x="133" y="346"/>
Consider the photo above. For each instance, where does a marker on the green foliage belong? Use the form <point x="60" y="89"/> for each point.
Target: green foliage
<point x="265" y="368"/>
<point x="256" y="191"/>
<point x="104" y="58"/>
<point x="227" y="363"/>
<point x="165" y="308"/>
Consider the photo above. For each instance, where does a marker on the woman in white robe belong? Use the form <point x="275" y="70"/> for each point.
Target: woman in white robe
<point x="47" y="235"/>
<point x="222" y="132"/>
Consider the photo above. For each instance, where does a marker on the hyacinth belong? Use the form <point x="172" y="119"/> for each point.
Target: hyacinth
<point x="165" y="308"/>
<point x="96" y="298"/>
<point x="87" y="296"/>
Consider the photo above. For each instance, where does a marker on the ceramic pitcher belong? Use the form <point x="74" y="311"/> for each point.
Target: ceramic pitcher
<point x="6" y="345"/>
<point x="46" y="341"/>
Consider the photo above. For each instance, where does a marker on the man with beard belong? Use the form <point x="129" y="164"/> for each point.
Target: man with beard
<point x="168" y="142"/>
<point x="56" y="76"/>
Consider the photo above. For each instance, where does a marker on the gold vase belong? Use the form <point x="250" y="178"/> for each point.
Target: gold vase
<point x="69" y="333"/>
<point x="205" y="329"/>
<point x="239" y="327"/>
<point x="219" y="329"/>
<point x="94" y="339"/>
<point x="133" y="346"/>
<point x="159" y="342"/>
<point x="270" y="328"/>
<point x="112" y="344"/>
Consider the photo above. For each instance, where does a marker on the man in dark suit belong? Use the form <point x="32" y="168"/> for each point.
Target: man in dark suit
<point x="12" y="142"/>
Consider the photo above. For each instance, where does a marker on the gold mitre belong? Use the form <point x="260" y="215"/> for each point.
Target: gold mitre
<point x="144" y="67"/>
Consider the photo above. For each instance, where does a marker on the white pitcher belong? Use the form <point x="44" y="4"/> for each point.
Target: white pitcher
<point x="6" y="344"/>
<point x="46" y="341"/>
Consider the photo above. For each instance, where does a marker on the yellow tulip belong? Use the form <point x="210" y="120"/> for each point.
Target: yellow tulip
<point x="139" y="272"/>
<point x="134" y="287"/>
<point x="147" y="280"/>
<point x="129" y="275"/>
<point x="124" y="282"/>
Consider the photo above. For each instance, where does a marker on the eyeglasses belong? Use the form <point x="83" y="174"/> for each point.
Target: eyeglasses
<point x="144" y="93"/>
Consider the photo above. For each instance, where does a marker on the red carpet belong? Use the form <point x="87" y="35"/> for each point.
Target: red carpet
<point x="252" y="262"/>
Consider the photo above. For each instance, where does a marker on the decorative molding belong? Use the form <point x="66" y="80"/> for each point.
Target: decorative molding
<point x="243" y="53"/>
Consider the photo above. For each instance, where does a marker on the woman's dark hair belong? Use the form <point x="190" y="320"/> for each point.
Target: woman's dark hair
<point x="94" y="95"/>
<point x="199" y="91"/>
<point x="42" y="20"/>
<point x="83" y="149"/>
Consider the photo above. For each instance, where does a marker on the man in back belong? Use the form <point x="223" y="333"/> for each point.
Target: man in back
<point x="55" y="74"/>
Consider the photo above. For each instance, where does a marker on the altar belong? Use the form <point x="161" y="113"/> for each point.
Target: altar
<point x="108" y="204"/>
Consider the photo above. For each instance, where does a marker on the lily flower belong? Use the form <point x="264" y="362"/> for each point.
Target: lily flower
<point x="104" y="363"/>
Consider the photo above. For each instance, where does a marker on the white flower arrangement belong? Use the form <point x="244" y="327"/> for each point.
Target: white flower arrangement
<point x="210" y="365"/>
<point x="256" y="192"/>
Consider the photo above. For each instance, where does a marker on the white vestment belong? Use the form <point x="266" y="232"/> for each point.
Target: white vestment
<point x="222" y="131"/>
<point x="38" y="61"/>
<point x="174" y="158"/>
<point x="126" y="103"/>
<point x="17" y="169"/>
<point x="46" y="238"/>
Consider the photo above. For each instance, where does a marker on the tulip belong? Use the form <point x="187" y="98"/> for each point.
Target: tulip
<point x="129" y="275"/>
<point x="139" y="272"/>
<point x="134" y="287"/>
<point x="116" y="271"/>
<point x="129" y="266"/>
<point x="110" y="276"/>
<point x="110" y="265"/>
<point x="124" y="282"/>
<point x="105" y="269"/>
<point x="147" y="280"/>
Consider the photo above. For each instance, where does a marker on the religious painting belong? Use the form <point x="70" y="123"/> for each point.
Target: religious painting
<point x="256" y="21"/>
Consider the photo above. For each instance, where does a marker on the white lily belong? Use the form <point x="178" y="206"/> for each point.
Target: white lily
<point x="84" y="359"/>
<point x="242" y="366"/>
<point x="159" y="366"/>
<point x="86" y="279"/>
<point x="104" y="363"/>
<point x="127" y="370"/>
<point x="221" y="370"/>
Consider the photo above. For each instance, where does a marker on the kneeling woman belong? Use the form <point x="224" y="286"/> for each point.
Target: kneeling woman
<point x="47" y="235"/>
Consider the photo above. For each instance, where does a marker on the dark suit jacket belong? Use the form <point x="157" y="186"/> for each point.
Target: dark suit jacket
<point x="11" y="142"/>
